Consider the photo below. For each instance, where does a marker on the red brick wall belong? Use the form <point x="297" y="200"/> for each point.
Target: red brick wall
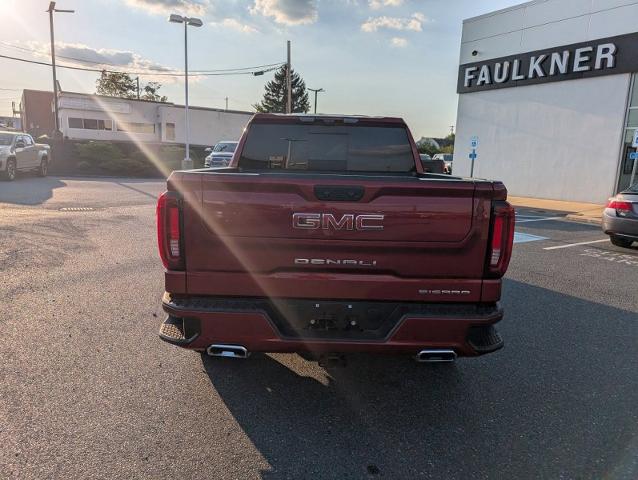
<point x="37" y="114"/>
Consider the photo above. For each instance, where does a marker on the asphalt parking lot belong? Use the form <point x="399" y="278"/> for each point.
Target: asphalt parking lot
<point x="89" y="391"/>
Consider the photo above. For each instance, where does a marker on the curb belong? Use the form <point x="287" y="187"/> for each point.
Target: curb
<point x="576" y="217"/>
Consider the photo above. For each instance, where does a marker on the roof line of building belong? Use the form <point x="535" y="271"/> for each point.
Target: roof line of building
<point x="169" y="104"/>
<point x="504" y="10"/>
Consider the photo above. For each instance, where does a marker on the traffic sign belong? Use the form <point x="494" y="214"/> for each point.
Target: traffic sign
<point x="473" y="155"/>
<point x="633" y="156"/>
<point x="474" y="141"/>
<point x="635" y="142"/>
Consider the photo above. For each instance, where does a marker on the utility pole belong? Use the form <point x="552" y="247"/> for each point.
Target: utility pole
<point x="316" y="90"/>
<point x="226" y="103"/>
<point x="56" y="107"/>
<point x="288" y="81"/>
<point x="138" y="87"/>
<point x="451" y="129"/>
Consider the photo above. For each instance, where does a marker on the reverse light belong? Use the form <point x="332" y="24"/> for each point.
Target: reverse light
<point x="169" y="230"/>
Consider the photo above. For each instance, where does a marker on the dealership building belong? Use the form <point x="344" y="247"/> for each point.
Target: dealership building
<point x="548" y="98"/>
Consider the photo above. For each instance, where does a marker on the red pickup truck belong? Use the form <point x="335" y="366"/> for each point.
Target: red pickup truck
<point x="325" y="237"/>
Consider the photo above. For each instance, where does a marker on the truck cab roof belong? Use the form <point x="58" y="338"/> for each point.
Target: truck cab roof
<point x="308" y="117"/>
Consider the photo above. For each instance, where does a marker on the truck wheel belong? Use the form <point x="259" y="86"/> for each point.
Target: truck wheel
<point x="44" y="167"/>
<point x="620" y="242"/>
<point x="10" y="172"/>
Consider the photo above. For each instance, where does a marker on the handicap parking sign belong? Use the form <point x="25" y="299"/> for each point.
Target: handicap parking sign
<point x="474" y="142"/>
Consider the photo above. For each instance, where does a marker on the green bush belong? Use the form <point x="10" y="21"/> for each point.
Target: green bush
<point x="128" y="160"/>
<point x="108" y="158"/>
<point x="95" y="153"/>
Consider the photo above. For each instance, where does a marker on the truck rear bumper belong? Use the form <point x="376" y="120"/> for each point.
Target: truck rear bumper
<point x="288" y="326"/>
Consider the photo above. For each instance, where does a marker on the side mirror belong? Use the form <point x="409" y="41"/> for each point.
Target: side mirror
<point x="208" y="149"/>
<point x="19" y="144"/>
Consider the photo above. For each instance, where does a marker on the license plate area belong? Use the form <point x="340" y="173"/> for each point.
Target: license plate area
<point x="335" y="319"/>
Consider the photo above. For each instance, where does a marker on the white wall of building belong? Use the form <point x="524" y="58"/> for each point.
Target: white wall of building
<point x="558" y="140"/>
<point x="207" y="126"/>
<point x="102" y="108"/>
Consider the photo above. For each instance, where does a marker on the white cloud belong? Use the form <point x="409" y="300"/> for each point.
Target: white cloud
<point x="420" y="17"/>
<point x="79" y="55"/>
<point x="414" y="23"/>
<point x="398" y="42"/>
<point x="287" y="12"/>
<point x="165" y="7"/>
<point x="235" y="24"/>
<point x="377" y="4"/>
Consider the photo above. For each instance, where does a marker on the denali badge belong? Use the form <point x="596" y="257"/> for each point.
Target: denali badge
<point x="327" y="221"/>
<point x="329" y="261"/>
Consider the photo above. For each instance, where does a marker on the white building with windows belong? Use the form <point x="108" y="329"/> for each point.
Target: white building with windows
<point x="96" y="117"/>
<point x="549" y="91"/>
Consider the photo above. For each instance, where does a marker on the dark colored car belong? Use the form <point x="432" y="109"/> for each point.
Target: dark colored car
<point x="620" y="218"/>
<point x="324" y="237"/>
<point x="220" y="155"/>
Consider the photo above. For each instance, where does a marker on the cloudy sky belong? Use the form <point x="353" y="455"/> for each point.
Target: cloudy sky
<point x="377" y="57"/>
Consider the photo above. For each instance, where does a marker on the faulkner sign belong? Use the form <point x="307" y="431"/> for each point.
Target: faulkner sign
<point x="605" y="56"/>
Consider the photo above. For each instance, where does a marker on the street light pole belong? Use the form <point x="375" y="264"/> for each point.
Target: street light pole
<point x="56" y="107"/>
<point x="187" y="163"/>
<point x="316" y="90"/>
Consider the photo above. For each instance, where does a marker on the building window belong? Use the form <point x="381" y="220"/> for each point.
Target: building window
<point x="170" y="131"/>
<point x="90" y="124"/>
<point x="627" y="163"/>
<point x="134" y="127"/>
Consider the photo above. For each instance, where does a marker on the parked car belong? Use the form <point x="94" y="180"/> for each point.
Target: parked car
<point x="620" y="218"/>
<point x="433" y="166"/>
<point x="18" y="152"/>
<point x="325" y="237"/>
<point x="448" y="159"/>
<point x="220" y="155"/>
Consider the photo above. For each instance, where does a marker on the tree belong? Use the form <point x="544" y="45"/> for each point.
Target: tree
<point x="428" y="148"/>
<point x="150" y="92"/>
<point x="121" y="85"/>
<point x="275" y="97"/>
<point x="116" y="84"/>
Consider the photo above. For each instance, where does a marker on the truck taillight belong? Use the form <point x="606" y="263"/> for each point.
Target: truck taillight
<point x="169" y="230"/>
<point x="501" y="239"/>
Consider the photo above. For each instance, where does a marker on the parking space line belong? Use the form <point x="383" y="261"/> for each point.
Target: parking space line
<point x="536" y="219"/>
<point x="575" y="244"/>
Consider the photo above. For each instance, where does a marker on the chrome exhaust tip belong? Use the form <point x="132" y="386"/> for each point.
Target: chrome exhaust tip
<point x="436" y="356"/>
<point x="228" y="351"/>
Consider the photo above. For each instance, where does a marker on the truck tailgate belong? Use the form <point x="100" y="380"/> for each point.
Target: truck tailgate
<point x="243" y="222"/>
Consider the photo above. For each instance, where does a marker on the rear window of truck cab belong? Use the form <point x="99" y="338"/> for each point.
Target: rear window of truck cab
<point x="328" y="148"/>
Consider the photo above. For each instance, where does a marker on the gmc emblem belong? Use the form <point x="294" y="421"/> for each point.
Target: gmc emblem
<point x="327" y="221"/>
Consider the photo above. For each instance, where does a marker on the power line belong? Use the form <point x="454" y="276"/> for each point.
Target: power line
<point x="146" y="73"/>
<point x="149" y="69"/>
